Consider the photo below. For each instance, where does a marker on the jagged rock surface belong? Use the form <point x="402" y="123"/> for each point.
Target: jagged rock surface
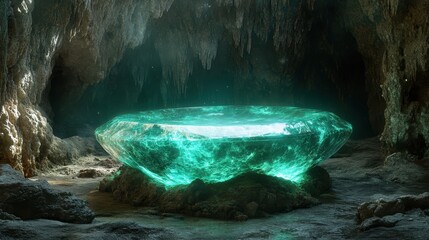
<point x="25" y="199"/>
<point x="250" y="195"/>
<point x="387" y="221"/>
<point x="381" y="207"/>
<point x="393" y="39"/>
<point x="87" y="37"/>
<point x="43" y="230"/>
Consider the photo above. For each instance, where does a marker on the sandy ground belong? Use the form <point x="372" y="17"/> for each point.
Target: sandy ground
<point x="358" y="173"/>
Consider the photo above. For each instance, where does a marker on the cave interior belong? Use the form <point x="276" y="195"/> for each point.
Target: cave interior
<point x="68" y="67"/>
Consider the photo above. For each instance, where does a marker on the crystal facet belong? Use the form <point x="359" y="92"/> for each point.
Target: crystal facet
<point x="214" y="144"/>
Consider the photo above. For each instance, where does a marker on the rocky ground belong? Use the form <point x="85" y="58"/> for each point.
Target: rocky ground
<point x="352" y="209"/>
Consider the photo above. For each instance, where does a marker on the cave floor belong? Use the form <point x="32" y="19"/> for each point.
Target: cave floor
<point x="358" y="175"/>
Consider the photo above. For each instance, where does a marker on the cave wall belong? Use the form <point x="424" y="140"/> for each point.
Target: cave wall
<point x="3" y="48"/>
<point x="87" y="36"/>
<point x="61" y="60"/>
<point x="393" y="37"/>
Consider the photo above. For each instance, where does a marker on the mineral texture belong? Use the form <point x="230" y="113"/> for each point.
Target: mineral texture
<point x="214" y="144"/>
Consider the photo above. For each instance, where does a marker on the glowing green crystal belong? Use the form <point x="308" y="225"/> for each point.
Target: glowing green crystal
<point x="214" y="144"/>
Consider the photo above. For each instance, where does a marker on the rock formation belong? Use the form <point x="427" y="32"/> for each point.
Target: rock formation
<point x="250" y="195"/>
<point x="387" y="213"/>
<point x="86" y="38"/>
<point x="393" y="39"/>
<point x="25" y="199"/>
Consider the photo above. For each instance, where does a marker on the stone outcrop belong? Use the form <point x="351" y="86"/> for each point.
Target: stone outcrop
<point x="89" y="173"/>
<point x="249" y="195"/>
<point x="386" y="213"/>
<point x="25" y="199"/>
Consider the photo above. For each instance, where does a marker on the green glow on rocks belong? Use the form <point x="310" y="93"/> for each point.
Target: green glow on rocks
<point x="214" y="144"/>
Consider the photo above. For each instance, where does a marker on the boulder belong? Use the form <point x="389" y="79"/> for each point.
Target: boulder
<point x="89" y="173"/>
<point x="380" y="208"/>
<point x="28" y="199"/>
<point x="250" y="195"/>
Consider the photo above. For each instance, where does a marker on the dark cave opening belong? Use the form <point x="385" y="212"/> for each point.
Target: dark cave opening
<point x="415" y="94"/>
<point x="321" y="77"/>
<point x="331" y="72"/>
<point x="62" y="102"/>
<point x="419" y="90"/>
<point x="333" y="80"/>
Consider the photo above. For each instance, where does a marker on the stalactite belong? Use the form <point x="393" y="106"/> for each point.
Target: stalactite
<point x="176" y="58"/>
<point x="261" y="16"/>
<point x="391" y="7"/>
<point x="206" y="48"/>
<point x="157" y="7"/>
<point x="276" y="20"/>
<point x="311" y="3"/>
<point x="4" y="9"/>
<point x="416" y="52"/>
<point x="139" y="74"/>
